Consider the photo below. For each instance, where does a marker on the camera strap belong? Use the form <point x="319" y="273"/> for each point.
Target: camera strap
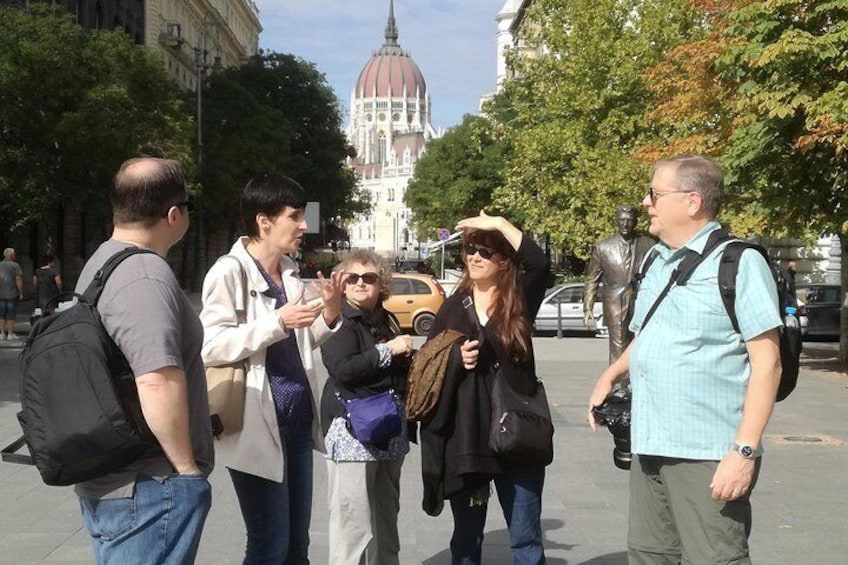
<point x="681" y="274"/>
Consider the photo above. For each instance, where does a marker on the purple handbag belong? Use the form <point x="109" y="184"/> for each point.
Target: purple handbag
<point x="373" y="420"/>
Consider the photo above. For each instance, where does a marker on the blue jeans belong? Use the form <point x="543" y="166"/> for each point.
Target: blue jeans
<point x="160" y="524"/>
<point x="277" y="515"/>
<point x="520" y="494"/>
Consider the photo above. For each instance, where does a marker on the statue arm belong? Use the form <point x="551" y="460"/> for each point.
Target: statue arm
<point x="594" y="273"/>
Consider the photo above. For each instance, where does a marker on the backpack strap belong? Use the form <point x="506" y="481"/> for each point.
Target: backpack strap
<point x="681" y="274"/>
<point x="98" y="283"/>
<point x="728" y="268"/>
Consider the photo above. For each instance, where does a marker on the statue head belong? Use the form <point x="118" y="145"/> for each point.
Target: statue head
<point x="625" y="219"/>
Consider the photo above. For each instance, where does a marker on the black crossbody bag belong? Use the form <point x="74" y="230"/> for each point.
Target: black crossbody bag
<point x="521" y="430"/>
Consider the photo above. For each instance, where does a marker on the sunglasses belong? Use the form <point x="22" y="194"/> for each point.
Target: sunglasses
<point x="471" y="249"/>
<point x="367" y="278"/>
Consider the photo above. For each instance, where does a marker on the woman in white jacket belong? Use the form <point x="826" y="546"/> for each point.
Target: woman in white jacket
<point x="270" y="458"/>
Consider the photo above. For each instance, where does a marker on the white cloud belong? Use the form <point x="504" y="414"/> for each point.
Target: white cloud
<point x="453" y="42"/>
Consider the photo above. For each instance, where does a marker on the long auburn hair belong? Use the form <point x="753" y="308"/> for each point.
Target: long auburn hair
<point x="507" y="318"/>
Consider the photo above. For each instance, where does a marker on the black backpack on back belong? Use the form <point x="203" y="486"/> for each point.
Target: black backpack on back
<point x="80" y="413"/>
<point x="790" y="337"/>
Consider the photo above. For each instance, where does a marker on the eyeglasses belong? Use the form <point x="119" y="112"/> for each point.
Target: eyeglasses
<point x="188" y="204"/>
<point x="471" y="249"/>
<point x="367" y="278"/>
<point x="656" y="194"/>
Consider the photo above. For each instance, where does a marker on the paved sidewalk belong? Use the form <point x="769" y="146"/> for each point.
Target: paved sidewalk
<point x="799" y="504"/>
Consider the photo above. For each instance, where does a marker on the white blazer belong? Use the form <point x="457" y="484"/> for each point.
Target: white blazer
<point x="257" y="448"/>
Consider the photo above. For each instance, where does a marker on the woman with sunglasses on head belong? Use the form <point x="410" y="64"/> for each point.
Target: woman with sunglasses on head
<point x="274" y="331"/>
<point x="495" y="303"/>
<point x="368" y="356"/>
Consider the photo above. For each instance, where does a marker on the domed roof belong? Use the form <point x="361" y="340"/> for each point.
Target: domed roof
<point x="390" y="70"/>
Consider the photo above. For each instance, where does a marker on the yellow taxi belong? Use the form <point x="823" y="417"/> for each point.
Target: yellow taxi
<point x="415" y="299"/>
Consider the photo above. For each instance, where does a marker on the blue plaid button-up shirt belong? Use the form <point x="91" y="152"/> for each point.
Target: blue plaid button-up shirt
<point x="689" y="369"/>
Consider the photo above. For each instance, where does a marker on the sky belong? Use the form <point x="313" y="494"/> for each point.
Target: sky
<point x="451" y="41"/>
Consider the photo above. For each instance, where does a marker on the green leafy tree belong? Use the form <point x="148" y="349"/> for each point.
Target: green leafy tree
<point x="457" y="175"/>
<point x="276" y="113"/>
<point x="74" y="104"/>
<point x="579" y="111"/>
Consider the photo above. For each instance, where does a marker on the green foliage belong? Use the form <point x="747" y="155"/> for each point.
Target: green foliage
<point x="74" y="104"/>
<point x="579" y="111"/>
<point x="275" y="114"/>
<point x="457" y="176"/>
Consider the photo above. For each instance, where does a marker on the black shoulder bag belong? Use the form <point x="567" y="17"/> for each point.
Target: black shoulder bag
<point x="521" y="429"/>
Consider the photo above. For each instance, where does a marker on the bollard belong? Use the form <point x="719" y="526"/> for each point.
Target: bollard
<point x="559" y="318"/>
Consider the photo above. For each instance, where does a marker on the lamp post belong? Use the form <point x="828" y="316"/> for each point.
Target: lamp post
<point x="202" y="65"/>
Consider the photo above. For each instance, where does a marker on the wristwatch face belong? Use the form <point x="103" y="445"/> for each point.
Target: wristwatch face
<point x="746" y="451"/>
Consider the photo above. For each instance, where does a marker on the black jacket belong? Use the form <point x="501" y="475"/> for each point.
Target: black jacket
<point x="454" y="440"/>
<point x="352" y="360"/>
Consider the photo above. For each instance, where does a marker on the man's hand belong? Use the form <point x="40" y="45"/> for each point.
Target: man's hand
<point x="733" y="477"/>
<point x="470" y="351"/>
<point x="587" y="319"/>
<point x="602" y="390"/>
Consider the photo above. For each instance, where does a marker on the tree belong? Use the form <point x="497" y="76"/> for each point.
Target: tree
<point x="74" y="104"/>
<point x="276" y="113"/>
<point x="778" y="127"/>
<point x="579" y="111"/>
<point x="457" y="175"/>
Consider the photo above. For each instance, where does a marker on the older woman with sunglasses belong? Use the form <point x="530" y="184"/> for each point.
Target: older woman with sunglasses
<point x="368" y="356"/>
<point x="494" y="303"/>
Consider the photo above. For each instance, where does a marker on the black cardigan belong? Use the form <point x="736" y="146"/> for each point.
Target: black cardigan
<point x="454" y="440"/>
<point x="352" y="361"/>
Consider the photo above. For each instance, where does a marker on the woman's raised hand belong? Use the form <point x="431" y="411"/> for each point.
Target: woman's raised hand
<point x="296" y="315"/>
<point x="331" y="291"/>
<point x="486" y="222"/>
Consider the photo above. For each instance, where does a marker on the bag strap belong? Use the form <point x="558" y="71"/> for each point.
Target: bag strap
<point x="9" y="453"/>
<point x="728" y="269"/>
<point x="243" y="277"/>
<point x="681" y="274"/>
<point x="98" y="283"/>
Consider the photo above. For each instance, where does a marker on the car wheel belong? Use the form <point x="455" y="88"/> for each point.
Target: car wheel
<point x="423" y="323"/>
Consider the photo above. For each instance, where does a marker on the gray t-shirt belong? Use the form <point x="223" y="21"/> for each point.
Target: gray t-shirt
<point x="153" y="323"/>
<point x="9" y="271"/>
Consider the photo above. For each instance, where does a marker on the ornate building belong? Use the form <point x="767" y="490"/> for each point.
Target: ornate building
<point x="389" y="128"/>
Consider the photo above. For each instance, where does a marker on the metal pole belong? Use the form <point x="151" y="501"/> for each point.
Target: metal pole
<point x="199" y="62"/>
<point x="443" y="260"/>
<point x="559" y="319"/>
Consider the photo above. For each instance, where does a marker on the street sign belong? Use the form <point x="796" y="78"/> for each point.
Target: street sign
<point x="442" y="234"/>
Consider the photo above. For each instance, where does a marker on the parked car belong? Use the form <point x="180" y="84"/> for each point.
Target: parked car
<point x="414" y="266"/>
<point x="415" y="299"/>
<point x="821" y="304"/>
<point x="567" y="299"/>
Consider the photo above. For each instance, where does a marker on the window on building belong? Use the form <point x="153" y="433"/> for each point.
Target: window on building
<point x="382" y="148"/>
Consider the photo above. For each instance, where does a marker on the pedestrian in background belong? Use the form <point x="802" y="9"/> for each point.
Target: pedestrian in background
<point x="368" y="356"/>
<point x="504" y="278"/>
<point x="11" y="292"/>
<point x="702" y="392"/>
<point x="270" y="458"/>
<point x="47" y="284"/>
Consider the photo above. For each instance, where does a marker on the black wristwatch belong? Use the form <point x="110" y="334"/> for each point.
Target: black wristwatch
<point x="746" y="451"/>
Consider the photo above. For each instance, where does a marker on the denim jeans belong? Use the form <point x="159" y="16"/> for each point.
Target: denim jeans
<point x="519" y="491"/>
<point x="277" y="515"/>
<point x="160" y="524"/>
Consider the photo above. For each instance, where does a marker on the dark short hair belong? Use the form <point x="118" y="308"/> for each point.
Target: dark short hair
<point x="48" y="257"/>
<point x="626" y="209"/>
<point x="144" y="189"/>
<point x="268" y="194"/>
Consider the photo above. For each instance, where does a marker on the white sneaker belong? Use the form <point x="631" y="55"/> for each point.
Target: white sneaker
<point x="5" y="336"/>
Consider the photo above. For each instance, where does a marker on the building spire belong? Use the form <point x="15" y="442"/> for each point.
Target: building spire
<point x="391" y="27"/>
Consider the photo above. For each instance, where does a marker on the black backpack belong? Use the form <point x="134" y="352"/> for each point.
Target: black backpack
<point x="80" y="413"/>
<point x="790" y="337"/>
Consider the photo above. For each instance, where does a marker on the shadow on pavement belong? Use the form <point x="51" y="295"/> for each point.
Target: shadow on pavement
<point x="500" y="539"/>
<point x="822" y="357"/>
<point x="608" y="559"/>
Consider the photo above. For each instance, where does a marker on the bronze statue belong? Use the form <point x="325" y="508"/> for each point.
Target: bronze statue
<point x="614" y="262"/>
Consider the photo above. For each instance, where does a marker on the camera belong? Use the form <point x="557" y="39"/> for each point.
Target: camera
<point x="614" y="413"/>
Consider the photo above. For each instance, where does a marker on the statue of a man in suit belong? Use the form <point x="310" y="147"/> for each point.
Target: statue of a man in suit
<point x="615" y="260"/>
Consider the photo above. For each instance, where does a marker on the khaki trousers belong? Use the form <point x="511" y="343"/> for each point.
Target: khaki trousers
<point x="364" y="500"/>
